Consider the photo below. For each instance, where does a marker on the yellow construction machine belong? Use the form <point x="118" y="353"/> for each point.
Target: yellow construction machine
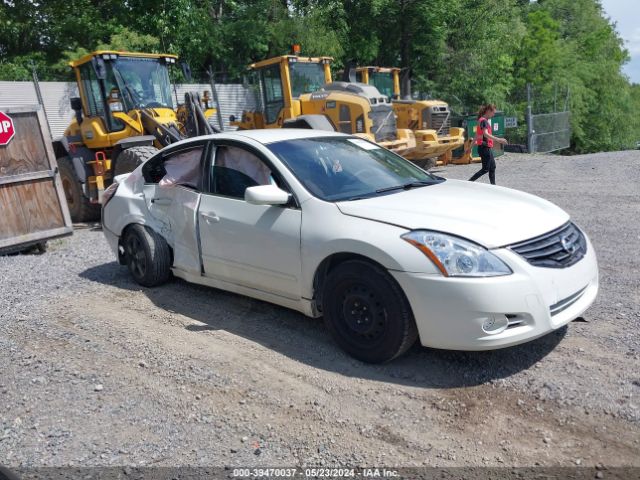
<point x="430" y="120"/>
<point x="296" y="91"/>
<point x="124" y="114"/>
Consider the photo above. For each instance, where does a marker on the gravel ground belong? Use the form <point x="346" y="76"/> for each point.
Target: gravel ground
<point x="97" y="371"/>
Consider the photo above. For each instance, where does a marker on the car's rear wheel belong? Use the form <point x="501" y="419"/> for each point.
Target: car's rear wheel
<point x="147" y="256"/>
<point x="367" y="313"/>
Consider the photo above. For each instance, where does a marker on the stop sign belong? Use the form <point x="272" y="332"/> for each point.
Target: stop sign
<point x="6" y="129"/>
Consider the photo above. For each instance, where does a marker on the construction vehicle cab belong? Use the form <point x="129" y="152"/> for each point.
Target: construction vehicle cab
<point x="124" y="113"/>
<point x="279" y="83"/>
<point x="430" y="120"/>
<point x="386" y="80"/>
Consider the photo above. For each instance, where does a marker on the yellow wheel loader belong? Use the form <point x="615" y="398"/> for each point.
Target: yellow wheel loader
<point x="124" y="114"/>
<point x="430" y="120"/>
<point x="297" y="91"/>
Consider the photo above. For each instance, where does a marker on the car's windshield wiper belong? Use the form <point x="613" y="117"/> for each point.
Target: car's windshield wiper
<point x="358" y="197"/>
<point x="405" y="186"/>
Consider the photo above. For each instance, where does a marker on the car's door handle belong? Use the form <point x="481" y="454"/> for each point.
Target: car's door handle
<point x="161" y="201"/>
<point x="210" y="217"/>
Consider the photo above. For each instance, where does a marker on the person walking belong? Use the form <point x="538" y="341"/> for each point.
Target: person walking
<point x="484" y="140"/>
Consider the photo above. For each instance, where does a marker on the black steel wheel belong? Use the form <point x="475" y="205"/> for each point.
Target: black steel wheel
<point x="147" y="256"/>
<point x="367" y="313"/>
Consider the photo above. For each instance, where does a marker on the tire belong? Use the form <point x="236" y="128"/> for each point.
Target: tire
<point x="132" y="158"/>
<point x="367" y="312"/>
<point x="80" y="209"/>
<point x="147" y="256"/>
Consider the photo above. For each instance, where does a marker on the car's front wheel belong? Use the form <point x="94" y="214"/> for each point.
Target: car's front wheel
<point x="147" y="256"/>
<point x="367" y="313"/>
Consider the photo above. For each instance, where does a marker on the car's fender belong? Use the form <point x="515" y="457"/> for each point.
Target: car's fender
<point x="335" y="233"/>
<point x="125" y="208"/>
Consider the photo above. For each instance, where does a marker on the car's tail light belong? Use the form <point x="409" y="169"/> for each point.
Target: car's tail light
<point x="109" y="192"/>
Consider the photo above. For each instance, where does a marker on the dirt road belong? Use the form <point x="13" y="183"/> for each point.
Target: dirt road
<point x="99" y="371"/>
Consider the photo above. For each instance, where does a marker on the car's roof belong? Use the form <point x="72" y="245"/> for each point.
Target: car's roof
<point x="265" y="136"/>
<point x="271" y="135"/>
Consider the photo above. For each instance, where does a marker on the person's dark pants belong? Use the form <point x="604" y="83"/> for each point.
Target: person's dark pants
<point x="488" y="165"/>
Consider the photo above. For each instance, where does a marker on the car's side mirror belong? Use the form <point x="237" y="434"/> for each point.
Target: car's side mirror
<point x="266" y="195"/>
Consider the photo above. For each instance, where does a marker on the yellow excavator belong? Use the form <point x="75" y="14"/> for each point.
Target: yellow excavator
<point x="430" y="120"/>
<point x="124" y="114"/>
<point x="297" y="91"/>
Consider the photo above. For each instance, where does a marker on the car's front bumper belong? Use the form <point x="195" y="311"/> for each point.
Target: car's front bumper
<point x="450" y="312"/>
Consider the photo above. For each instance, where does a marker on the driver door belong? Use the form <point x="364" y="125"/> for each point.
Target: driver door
<point x="256" y="246"/>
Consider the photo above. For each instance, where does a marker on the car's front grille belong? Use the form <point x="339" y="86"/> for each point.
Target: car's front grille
<point x="565" y="303"/>
<point x="560" y="248"/>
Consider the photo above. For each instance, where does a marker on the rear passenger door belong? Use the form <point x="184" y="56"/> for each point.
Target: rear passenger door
<point x="256" y="246"/>
<point x="173" y="184"/>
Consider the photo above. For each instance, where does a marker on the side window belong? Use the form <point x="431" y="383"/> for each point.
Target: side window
<point x="235" y="169"/>
<point x="345" y="119"/>
<point x="95" y="104"/>
<point x="182" y="168"/>
<point x="92" y="90"/>
<point x="273" y="96"/>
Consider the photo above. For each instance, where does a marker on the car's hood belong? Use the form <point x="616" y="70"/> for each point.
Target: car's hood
<point x="489" y="215"/>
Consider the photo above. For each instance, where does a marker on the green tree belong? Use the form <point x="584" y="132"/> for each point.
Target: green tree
<point x="590" y="65"/>
<point x="463" y="51"/>
<point x="481" y="44"/>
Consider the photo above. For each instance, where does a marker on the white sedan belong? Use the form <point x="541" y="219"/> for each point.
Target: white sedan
<point x="333" y="225"/>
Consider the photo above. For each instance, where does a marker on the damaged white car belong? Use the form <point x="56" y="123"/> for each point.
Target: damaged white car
<point x="333" y="225"/>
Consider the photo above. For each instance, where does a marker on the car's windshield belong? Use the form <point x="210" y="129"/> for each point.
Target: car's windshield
<point x="144" y="82"/>
<point x="348" y="168"/>
<point x="306" y="77"/>
<point x="383" y="81"/>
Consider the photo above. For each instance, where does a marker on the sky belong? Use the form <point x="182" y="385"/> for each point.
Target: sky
<point x="626" y="15"/>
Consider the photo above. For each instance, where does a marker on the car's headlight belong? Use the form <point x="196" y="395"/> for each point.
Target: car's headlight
<point x="456" y="257"/>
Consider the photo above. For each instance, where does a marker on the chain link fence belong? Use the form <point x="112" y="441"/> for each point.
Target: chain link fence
<point x="537" y="118"/>
<point x="548" y="118"/>
<point x="549" y="132"/>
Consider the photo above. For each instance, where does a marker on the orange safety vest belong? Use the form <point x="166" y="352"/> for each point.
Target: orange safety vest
<point x="480" y="133"/>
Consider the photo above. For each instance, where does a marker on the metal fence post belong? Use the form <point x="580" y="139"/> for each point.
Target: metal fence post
<point x="36" y="86"/>
<point x="214" y="92"/>
<point x="530" y="132"/>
